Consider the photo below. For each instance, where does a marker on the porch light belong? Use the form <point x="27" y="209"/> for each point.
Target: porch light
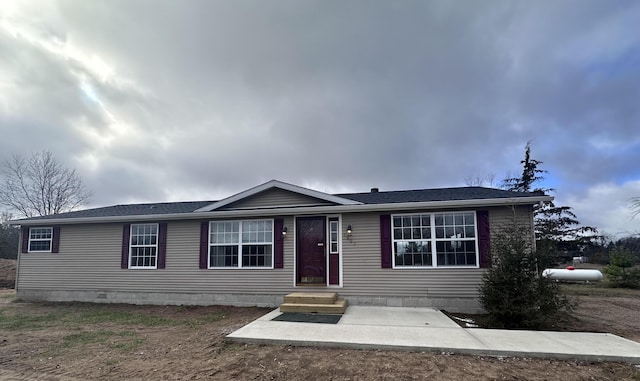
<point x="284" y="231"/>
<point x="349" y="231"/>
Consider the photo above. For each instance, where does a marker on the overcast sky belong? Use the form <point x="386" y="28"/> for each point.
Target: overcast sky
<point x="187" y="100"/>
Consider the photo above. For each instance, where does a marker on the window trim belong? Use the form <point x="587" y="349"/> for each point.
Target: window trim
<point x="50" y="240"/>
<point x="156" y="246"/>
<point x="434" y="240"/>
<point x="337" y="241"/>
<point x="240" y="244"/>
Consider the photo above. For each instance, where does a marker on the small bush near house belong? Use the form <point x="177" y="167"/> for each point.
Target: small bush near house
<point x="620" y="271"/>
<point x="513" y="292"/>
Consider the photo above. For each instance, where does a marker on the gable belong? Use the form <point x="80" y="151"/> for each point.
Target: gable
<point x="301" y="197"/>
<point x="275" y="198"/>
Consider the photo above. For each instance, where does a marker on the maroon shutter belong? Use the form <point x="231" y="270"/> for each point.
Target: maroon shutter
<point x="278" y="255"/>
<point x="484" y="241"/>
<point x="25" y="240"/>
<point x="204" y="245"/>
<point x="162" y="244"/>
<point x="55" y="242"/>
<point x="124" y="259"/>
<point x="385" y="240"/>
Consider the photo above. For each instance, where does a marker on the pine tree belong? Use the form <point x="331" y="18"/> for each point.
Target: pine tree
<point x="513" y="292"/>
<point x="557" y="228"/>
<point x="531" y="174"/>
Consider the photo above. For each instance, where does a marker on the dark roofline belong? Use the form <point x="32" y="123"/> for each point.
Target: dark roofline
<point x="434" y="196"/>
<point x="513" y="193"/>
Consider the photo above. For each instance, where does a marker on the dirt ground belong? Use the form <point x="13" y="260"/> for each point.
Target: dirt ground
<point x="82" y="341"/>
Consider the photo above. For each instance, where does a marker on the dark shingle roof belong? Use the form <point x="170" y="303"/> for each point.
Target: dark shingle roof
<point x="439" y="194"/>
<point x="419" y="195"/>
<point x="133" y="210"/>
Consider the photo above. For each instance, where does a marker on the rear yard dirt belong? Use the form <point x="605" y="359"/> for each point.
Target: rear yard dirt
<point x="80" y="341"/>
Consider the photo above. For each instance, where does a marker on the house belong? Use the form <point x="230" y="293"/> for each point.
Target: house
<point x="426" y="247"/>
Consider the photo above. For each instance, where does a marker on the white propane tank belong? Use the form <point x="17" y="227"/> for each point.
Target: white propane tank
<point x="570" y="273"/>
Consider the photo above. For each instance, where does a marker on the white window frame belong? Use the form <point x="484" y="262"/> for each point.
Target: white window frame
<point x="433" y="240"/>
<point x="131" y="246"/>
<point x="240" y="244"/>
<point x="337" y="241"/>
<point x="50" y="240"/>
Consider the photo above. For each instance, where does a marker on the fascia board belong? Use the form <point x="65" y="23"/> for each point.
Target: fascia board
<point x="361" y="208"/>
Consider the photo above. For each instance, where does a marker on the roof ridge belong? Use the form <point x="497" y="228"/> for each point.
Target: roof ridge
<point x="432" y="189"/>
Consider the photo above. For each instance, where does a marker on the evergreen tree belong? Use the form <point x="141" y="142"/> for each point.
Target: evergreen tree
<point x="620" y="271"/>
<point x="513" y="291"/>
<point x="9" y="237"/>
<point x="557" y="228"/>
<point x="531" y="174"/>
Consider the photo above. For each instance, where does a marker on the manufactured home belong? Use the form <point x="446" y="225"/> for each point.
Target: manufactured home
<point x="426" y="247"/>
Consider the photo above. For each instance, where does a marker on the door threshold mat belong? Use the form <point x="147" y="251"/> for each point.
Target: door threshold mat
<point x="308" y="318"/>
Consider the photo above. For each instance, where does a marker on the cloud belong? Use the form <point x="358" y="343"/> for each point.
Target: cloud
<point x="161" y="100"/>
<point x="607" y="206"/>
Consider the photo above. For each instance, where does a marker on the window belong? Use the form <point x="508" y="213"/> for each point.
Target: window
<point x="143" y="248"/>
<point x="333" y="237"/>
<point x="40" y="239"/>
<point x="435" y="240"/>
<point x="455" y="239"/>
<point x="241" y="244"/>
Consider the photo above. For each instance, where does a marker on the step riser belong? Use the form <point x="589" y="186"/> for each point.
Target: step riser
<point x="311" y="298"/>
<point x="303" y="300"/>
<point x="297" y="309"/>
<point x="337" y="308"/>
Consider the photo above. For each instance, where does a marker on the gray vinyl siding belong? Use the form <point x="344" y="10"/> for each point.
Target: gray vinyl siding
<point x="275" y="198"/>
<point x="363" y="274"/>
<point x="89" y="259"/>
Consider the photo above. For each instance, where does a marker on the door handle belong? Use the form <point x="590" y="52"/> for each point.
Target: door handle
<point x="320" y="243"/>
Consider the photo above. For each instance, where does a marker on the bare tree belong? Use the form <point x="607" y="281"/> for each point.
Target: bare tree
<point x="40" y="186"/>
<point x="488" y="180"/>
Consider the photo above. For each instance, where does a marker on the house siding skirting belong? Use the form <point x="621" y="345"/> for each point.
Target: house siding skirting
<point x="466" y="305"/>
<point x="87" y="269"/>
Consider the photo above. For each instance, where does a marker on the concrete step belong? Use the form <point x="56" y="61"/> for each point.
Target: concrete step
<point x="311" y="298"/>
<point x="338" y="307"/>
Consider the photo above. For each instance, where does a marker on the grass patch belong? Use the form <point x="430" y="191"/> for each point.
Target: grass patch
<point x="127" y="346"/>
<point x="597" y="289"/>
<point x="104" y="315"/>
<point x="23" y="321"/>
<point x="209" y="318"/>
<point x="228" y="346"/>
<point x="86" y="337"/>
<point x="96" y="337"/>
<point x="70" y="316"/>
<point x="8" y="296"/>
<point x="193" y="322"/>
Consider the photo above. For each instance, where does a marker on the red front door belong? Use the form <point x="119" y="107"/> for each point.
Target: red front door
<point x="311" y="250"/>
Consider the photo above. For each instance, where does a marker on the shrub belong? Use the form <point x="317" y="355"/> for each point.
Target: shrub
<point x="513" y="292"/>
<point x="620" y="272"/>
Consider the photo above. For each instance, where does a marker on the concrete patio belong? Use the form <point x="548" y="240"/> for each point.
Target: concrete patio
<point x="427" y="329"/>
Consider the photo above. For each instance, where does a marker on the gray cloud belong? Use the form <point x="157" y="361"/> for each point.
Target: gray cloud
<point x="161" y="100"/>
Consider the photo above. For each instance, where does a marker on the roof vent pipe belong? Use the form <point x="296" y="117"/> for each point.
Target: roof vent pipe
<point x="374" y="190"/>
